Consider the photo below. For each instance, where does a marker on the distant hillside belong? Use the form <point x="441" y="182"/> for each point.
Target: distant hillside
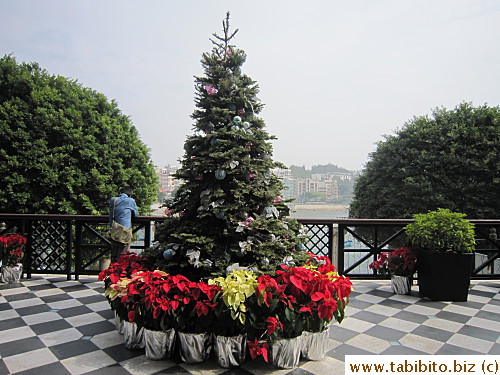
<point x="302" y="172"/>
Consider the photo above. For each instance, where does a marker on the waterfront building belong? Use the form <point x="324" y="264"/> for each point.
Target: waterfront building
<point x="168" y="183"/>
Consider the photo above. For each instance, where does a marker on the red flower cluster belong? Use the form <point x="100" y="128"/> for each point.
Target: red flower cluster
<point x="126" y="265"/>
<point x="303" y="298"/>
<point x="399" y="262"/>
<point x="157" y="300"/>
<point x="12" y="249"/>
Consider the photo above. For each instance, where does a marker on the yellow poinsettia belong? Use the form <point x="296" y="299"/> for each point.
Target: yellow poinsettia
<point x="117" y="290"/>
<point x="236" y="288"/>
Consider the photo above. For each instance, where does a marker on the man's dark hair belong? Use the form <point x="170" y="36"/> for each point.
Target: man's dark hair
<point x="127" y="190"/>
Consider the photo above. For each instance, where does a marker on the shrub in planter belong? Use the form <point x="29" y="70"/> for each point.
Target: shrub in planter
<point x="446" y="242"/>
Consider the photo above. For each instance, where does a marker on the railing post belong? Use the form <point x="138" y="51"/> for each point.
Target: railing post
<point x="340" y="249"/>
<point x="78" y="249"/>
<point x="69" y="249"/>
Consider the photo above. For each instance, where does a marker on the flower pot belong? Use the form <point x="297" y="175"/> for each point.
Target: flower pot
<point x="401" y="284"/>
<point x="133" y="335"/>
<point x="12" y="274"/>
<point x="230" y="351"/>
<point x="159" y="344"/>
<point x="118" y="324"/>
<point x="314" y="345"/>
<point x="285" y="353"/>
<point x="444" y="276"/>
<point x="194" y="347"/>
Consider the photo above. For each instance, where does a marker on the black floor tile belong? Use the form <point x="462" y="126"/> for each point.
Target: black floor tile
<point x="480" y="333"/>
<point x="495" y="349"/>
<point x="454" y="317"/>
<point x="357" y="304"/>
<point x="296" y="371"/>
<point x="411" y="317"/>
<point x="106" y="314"/>
<point x="11" y="323"/>
<point x="36" y="288"/>
<point x="119" y="353"/>
<point x="342" y="350"/>
<point x="52" y="326"/>
<point x="448" y="349"/>
<point x="175" y="370"/>
<point x="96" y="328"/>
<point x="380" y="293"/>
<point x="20" y="346"/>
<point x="433" y="333"/>
<point x="19" y="297"/>
<point x="92" y="299"/>
<point x="488" y="315"/>
<point x="55" y="298"/>
<point x="35" y="309"/>
<point x="55" y="368"/>
<point x="73" y="288"/>
<point x="338" y="333"/>
<point x="3" y="368"/>
<point x="401" y="350"/>
<point x="394" y="304"/>
<point x="74" y="311"/>
<point x="368" y="316"/>
<point x="73" y="348"/>
<point x="482" y="293"/>
<point x="385" y="333"/>
<point x="115" y="369"/>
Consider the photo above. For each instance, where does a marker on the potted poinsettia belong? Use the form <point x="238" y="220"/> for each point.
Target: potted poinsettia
<point x="400" y="265"/>
<point x="159" y="314"/>
<point x="12" y="252"/>
<point x="445" y="241"/>
<point x="230" y="328"/>
<point x="196" y="318"/>
<point x="328" y="297"/>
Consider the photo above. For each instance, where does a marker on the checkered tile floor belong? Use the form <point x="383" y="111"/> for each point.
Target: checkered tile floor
<point x="52" y="326"/>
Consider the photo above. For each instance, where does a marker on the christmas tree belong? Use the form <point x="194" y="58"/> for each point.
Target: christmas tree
<point x="228" y="211"/>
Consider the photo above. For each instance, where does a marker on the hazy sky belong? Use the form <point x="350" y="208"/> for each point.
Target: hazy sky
<point x="335" y="76"/>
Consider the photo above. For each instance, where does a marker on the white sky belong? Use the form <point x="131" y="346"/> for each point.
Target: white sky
<point x="335" y="76"/>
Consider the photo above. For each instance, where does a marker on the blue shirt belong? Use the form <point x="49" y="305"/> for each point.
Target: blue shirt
<point x="124" y="208"/>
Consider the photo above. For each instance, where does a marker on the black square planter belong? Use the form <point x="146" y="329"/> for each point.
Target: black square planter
<point x="444" y="276"/>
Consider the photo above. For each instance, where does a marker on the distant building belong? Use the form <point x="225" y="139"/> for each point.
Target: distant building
<point x="168" y="184"/>
<point x="309" y="185"/>
<point x="331" y="175"/>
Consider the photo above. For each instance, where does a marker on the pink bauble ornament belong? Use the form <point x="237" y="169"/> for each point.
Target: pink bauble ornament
<point x="211" y="90"/>
<point x="277" y="199"/>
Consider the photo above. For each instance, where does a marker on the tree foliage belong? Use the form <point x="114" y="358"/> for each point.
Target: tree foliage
<point x="228" y="209"/>
<point x="65" y="148"/>
<point x="449" y="160"/>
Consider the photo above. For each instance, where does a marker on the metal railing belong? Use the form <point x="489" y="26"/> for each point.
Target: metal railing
<point x="76" y="245"/>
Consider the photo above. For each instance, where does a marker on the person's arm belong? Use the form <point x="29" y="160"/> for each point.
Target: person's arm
<point x="134" y="208"/>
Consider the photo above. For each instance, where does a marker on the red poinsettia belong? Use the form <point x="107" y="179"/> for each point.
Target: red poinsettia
<point x="400" y="262"/>
<point x="12" y="249"/>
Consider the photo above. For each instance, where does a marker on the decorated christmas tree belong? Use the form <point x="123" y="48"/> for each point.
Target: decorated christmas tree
<point x="228" y="212"/>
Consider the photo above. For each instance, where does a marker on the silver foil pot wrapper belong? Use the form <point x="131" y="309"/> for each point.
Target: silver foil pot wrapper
<point x="118" y="324"/>
<point x="285" y="353"/>
<point x="401" y="284"/>
<point x="314" y="345"/>
<point x="134" y="337"/>
<point x="194" y="347"/>
<point x="159" y="344"/>
<point x="11" y="274"/>
<point x="230" y="351"/>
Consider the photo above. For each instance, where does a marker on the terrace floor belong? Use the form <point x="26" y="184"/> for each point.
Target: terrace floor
<point x="49" y="325"/>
